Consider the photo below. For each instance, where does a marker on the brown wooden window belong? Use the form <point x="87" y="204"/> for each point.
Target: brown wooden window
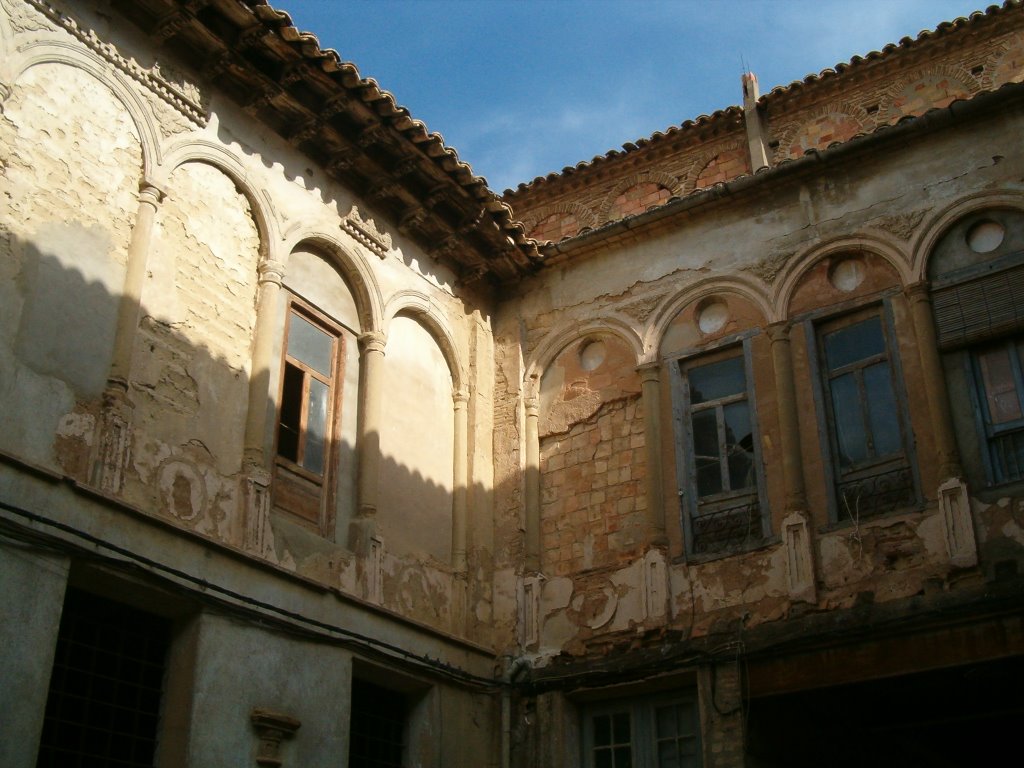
<point x="308" y="414"/>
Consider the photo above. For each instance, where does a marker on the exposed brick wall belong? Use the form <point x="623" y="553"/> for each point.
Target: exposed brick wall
<point x="555" y="227"/>
<point x="722" y="167"/>
<point x="638" y="199"/>
<point x="592" y="490"/>
<point x="824" y="130"/>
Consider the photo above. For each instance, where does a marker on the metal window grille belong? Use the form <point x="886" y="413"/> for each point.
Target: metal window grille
<point x="377" y="727"/>
<point x="103" y="705"/>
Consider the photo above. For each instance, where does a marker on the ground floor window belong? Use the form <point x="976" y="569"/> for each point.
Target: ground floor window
<point x="378" y="726"/>
<point x="642" y="733"/>
<point x="103" y="706"/>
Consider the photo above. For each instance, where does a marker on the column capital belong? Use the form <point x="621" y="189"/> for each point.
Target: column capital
<point x="779" y="331"/>
<point x="151" y="192"/>
<point x="460" y="397"/>
<point x="650" y="371"/>
<point x="373" y="341"/>
<point x="919" y="291"/>
<point x="532" y="405"/>
<point x="270" y="271"/>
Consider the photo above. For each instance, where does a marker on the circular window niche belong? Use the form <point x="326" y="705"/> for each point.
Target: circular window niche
<point x="985" y="236"/>
<point x="592" y="353"/>
<point x="712" y="315"/>
<point x="847" y="275"/>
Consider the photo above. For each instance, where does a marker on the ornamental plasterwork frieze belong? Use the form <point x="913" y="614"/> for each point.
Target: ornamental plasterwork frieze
<point x="768" y="268"/>
<point x="167" y="83"/>
<point x="366" y="232"/>
<point x="901" y="224"/>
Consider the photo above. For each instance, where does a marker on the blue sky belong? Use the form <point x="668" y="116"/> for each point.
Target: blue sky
<point x="525" y="87"/>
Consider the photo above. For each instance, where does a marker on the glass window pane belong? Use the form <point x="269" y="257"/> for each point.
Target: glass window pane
<point x="623" y="757"/>
<point x="854" y="342"/>
<point x="668" y="754"/>
<point x="739" y="445"/>
<point x="1000" y="386"/>
<point x="621" y="727"/>
<point x="882" y="414"/>
<point x="707" y="452"/>
<point x="665" y="719"/>
<point x="716" y="380"/>
<point x="310" y="345"/>
<point x="316" y="427"/>
<point x="291" y="413"/>
<point x="602" y="730"/>
<point x="849" y="416"/>
<point x="603" y="758"/>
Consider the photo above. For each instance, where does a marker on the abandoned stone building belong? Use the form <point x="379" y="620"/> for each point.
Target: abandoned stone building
<point x="315" y="451"/>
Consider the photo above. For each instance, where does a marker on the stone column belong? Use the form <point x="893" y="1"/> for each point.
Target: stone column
<point x="954" y="503"/>
<point x="650" y="377"/>
<point x="363" y="528"/>
<point x="258" y="533"/>
<point x="460" y="480"/>
<point x="934" y="380"/>
<point x="114" y="427"/>
<point x="271" y="273"/>
<point x="150" y="196"/>
<point x="532" y="485"/>
<point x="796" y="530"/>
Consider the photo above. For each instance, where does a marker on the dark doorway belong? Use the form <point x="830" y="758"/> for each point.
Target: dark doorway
<point x="951" y="718"/>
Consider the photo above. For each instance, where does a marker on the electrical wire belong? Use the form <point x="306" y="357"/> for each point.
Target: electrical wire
<point x="228" y="601"/>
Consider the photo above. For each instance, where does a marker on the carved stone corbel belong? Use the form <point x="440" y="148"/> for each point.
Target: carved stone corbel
<point x="272" y="728"/>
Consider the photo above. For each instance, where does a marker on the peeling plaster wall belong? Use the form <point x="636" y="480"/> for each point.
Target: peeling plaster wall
<point x="70" y="163"/>
<point x="758" y="257"/>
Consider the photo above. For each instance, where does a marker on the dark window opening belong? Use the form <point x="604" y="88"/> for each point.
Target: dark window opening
<point x="377" y="726"/>
<point x="103" y="706"/>
<point x="720" y="474"/>
<point x="873" y="475"/>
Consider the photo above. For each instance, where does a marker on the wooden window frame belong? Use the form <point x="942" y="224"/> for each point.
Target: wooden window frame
<point x="690" y="502"/>
<point x="897" y="484"/>
<point x="987" y="429"/>
<point x="643" y="725"/>
<point x="303" y="495"/>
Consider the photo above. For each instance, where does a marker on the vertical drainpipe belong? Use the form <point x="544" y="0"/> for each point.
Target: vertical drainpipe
<point x="752" y="120"/>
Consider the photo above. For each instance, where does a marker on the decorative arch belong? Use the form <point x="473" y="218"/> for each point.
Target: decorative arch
<point x="702" y="160"/>
<point x="889" y="249"/>
<point x="417" y="305"/>
<point x="369" y="302"/>
<point x="800" y="130"/>
<point x="92" y="64"/>
<point x="937" y="225"/>
<point x="745" y="288"/>
<point x="555" y="342"/>
<point x="897" y="104"/>
<point x="669" y="182"/>
<point x="208" y="152"/>
<point x="584" y="216"/>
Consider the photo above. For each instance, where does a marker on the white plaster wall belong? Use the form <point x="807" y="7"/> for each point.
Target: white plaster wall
<point x="417" y="444"/>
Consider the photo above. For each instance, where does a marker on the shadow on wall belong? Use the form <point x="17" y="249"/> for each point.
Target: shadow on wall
<point x="58" y="316"/>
